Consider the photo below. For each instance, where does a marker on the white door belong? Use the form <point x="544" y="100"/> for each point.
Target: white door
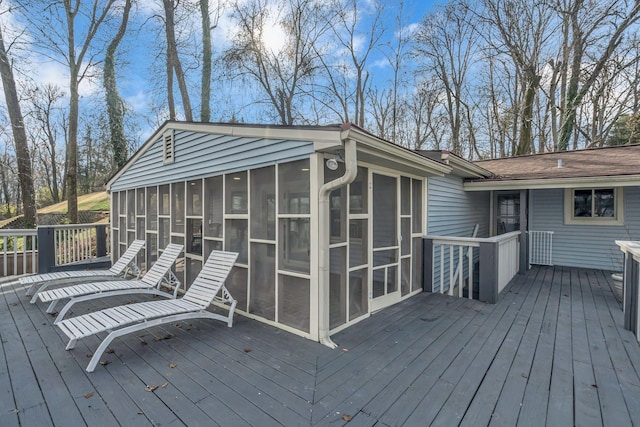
<point x="385" y="266"/>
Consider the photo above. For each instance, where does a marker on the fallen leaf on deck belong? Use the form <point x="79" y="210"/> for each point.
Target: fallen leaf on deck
<point x="54" y="314"/>
<point x="172" y="365"/>
<point x="109" y="351"/>
<point x="164" y="337"/>
<point x="140" y="413"/>
<point x="104" y="362"/>
<point x="178" y="325"/>
<point x="151" y="387"/>
<point x="345" y="350"/>
<point x="88" y="395"/>
<point x="164" y="385"/>
<point x="143" y="342"/>
<point x="594" y="385"/>
<point x="346" y="417"/>
<point x="89" y="355"/>
<point x="247" y="350"/>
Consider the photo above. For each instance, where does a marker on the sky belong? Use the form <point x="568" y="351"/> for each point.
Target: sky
<point x="141" y="72"/>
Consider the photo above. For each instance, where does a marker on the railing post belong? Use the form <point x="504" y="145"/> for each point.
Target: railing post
<point x="489" y="272"/>
<point x="427" y="265"/>
<point x="524" y="247"/>
<point x="46" y="249"/>
<point x="631" y="277"/>
<point x="101" y="240"/>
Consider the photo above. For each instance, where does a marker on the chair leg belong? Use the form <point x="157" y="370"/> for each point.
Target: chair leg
<point x="36" y="292"/>
<point x="52" y="306"/>
<point x="71" y="344"/>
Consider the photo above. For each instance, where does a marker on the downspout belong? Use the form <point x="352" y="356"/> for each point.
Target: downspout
<point x="351" y="170"/>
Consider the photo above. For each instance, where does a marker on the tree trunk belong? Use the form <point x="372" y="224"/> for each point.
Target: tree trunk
<point x="173" y="60"/>
<point x="72" y="148"/>
<point x="115" y="107"/>
<point x="23" y="158"/>
<point x="205" y="109"/>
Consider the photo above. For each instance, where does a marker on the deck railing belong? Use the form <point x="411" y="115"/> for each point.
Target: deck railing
<point x="49" y="248"/>
<point x="631" y="285"/>
<point x="18" y="252"/>
<point x="476" y="268"/>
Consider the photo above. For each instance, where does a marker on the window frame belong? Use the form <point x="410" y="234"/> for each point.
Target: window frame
<point x="569" y="208"/>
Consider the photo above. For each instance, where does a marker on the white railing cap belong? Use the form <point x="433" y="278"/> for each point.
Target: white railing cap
<point x="18" y="232"/>
<point x="473" y="241"/>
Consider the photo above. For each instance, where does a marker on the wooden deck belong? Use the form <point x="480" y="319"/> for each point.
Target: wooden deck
<point x="551" y="352"/>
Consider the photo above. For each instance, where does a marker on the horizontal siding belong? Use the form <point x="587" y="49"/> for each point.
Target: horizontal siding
<point x="199" y="155"/>
<point x="453" y="212"/>
<point x="582" y="246"/>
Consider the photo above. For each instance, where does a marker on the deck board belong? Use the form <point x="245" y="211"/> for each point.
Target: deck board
<point x="551" y="352"/>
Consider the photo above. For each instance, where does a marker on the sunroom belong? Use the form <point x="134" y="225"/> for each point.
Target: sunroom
<point x="328" y="221"/>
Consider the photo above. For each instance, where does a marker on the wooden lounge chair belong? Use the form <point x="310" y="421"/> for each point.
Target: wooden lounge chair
<point x="129" y="318"/>
<point x="150" y="283"/>
<point x="123" y="267"/>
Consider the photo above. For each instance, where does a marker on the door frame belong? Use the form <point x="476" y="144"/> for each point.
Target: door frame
<point x="386" y="300"/>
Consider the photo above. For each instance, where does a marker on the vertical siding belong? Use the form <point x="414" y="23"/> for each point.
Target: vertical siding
<point x="201" y="154"/>
<point x="583" y="246"/>
<point x="453" y="212"/>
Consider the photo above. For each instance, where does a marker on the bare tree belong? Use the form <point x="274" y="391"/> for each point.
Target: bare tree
<point x="281" y="73"/>
<point x="47" y="122"/>
<point x="522" y="30"/>
<point x="600" y="26"/>
<point x="356" y="31"/>
<point x="68" y="33"/>
<point x="445" y="45"/>
<point x="174" y="64"/>
<point x="23" y="156"/>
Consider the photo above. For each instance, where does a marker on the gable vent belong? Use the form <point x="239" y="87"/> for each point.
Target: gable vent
<point x="168" y="147"/>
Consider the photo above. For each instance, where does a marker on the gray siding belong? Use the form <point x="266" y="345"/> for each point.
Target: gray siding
<point x="199" y="155"/>
<point x="453" y="212"/>
<point x="583" y="246"/>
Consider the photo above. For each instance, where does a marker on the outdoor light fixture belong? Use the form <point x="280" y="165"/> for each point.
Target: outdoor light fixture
<point x="332" y="164"/>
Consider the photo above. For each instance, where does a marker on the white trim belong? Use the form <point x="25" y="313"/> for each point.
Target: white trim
<point x="617" y="220"/>
<point x="535" y="184"/>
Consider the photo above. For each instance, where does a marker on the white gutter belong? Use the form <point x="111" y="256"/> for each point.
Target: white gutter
<point x="351" y="171"/>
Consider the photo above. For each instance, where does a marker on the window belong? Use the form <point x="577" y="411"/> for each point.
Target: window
<point x="507" y="212"/>
<point x="168" y="147"/>
<point x="601" y="206"/>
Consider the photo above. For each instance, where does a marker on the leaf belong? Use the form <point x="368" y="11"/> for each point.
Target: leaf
<point x="88" y="395"/>
<point x="89" y="355"/>
<point x="151" y="387"/>
<point x="346" y="417"/>
<point x="164" y="337"/>
<point x="164" y="385"/>
<point x="104" y="362"/>
<point x="172" y="365"/>
<point x="247" y="350"/>
<point x="140" y="412"/>
<point x="54" y="314"/>
<point x="178" y="325"/>
<point x="345" y="350"/>
<point x="143" y="342"/>
<point x="109" y="351"/>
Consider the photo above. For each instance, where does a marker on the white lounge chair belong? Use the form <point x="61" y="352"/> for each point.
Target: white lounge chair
<point x="123" y="267"/>
<point x="150" y="283"/>
<point x="129" y="318"/>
